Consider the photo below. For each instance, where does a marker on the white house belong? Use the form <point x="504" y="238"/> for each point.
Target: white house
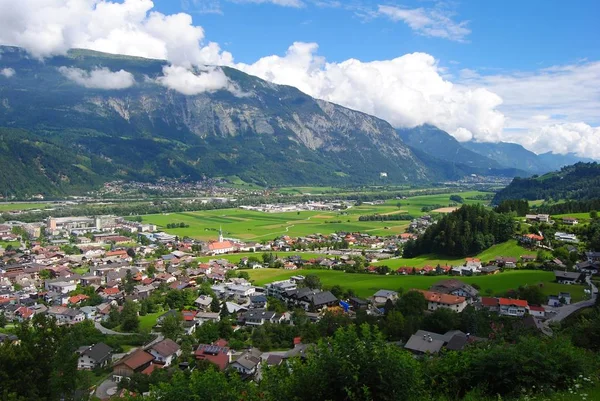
<point x="382" y="296"/>
<point x="512" y="307"/>
<point x="248" y="363"/>
<point x="95" y="356"/>
<point x="165" y="351"/>
<point x="437" y="300"/>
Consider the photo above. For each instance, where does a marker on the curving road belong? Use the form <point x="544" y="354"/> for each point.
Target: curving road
<point x="566" y="310"/>
<point x="110" y="332"/>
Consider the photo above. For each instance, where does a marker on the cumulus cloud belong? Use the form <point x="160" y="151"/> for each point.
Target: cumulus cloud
<point x="406" y="91"/>
<point x="7" y="72"/>
<point x="434" y="22"/>
<point x="285" y="3"/>
<point x="52" y="27"/>
<point x="189" y="83"/>
<point x="99" y="78"/>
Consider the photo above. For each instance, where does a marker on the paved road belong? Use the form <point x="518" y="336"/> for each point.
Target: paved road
<point x="566" y="310"/>
<point x="104" y="330"/>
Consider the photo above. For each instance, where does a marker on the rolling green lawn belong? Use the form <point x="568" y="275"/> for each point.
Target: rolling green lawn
<point x="15" y="244"/>
<point x="257" y="226"/>
<point x="5" y="206"/>
<point x="506" y="249"/>
<point x="148" y="321"/>
<point x="580" y="216"/>
<point x="366" y="285"/>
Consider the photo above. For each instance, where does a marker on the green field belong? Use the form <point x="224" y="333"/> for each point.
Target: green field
<point x="5" y="206"/>
<point x="15" y="244"/>
<point x="582" y="217"/>
<point x="506" y="249"/>
<point x="236" y="257"/>
<point x="366" y="285"/>
<point x="148" y="321"/>
<point x="257" y="226"/>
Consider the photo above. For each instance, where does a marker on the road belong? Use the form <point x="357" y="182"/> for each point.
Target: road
<point x="104" y="330"/>
<point x="566" y="310"/>
<point x="106" y="389"/>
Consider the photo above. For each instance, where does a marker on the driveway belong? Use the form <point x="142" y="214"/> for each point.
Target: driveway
<point x="106" y="389"/>
<point x="566" y="310"/>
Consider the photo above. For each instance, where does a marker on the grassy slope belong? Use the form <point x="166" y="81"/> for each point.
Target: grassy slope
<point x="367" y="284"/>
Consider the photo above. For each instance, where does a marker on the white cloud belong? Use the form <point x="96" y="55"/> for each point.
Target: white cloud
<point x="99" y="78"/>
<point x="406" y="91"/>
<point x="7" y="72"/>
<point x="435" y="22"/>
<point x="185" y="81"/>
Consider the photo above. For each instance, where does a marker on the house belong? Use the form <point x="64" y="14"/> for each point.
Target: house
<point x="570" y="221"/>
<point x="202" y="317"/>
<point x="382" y="296"/>
<point x="426" y="342"/>
<point x="437" y="300"/>
<point x="257" y="317"/>
<point x="537" y="311"/>
<point x="512" y="307"/>
<point x="593" y="256"/>
<point x="564" y="277"/>
<point x="563" y="298"/>
<point x="258" y="302"/>
<point x="219" y="355"/>
<point x="542" y="218"/>
<point x="358" y="303"/>
<point x="248" y="363"/>
<point x="565" y="237"/>
<point x="203" y="302"/>
<point x="507" y="262"/>
<point x="490" y="304"/>
<point x="528" y="258"/>
<point x="455" y="287"/>
<point x="165" y="351"/>
<point x="134" y="362"/>
<point x="492" y="269"/>
<point x="64" y="315"/>
<point x="95" y="356"/>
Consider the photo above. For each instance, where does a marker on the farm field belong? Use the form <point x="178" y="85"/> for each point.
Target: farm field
<point x="15" y="244"/>
<point x="257" y="226"/>
<point x="585" y="217"/>
<point x="5" y="206"/>
<point x="366" y="285"/>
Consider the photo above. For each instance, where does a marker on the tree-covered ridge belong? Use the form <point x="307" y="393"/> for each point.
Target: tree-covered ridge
<point x="466" y="231"/>
<point x="580" y="181"/>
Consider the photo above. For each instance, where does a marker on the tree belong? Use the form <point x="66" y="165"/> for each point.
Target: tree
<point x="594" y="215"/>
<point x="207" y="333"/>
<point x="312" y="281"/>
<point x="129" y="284"/>
<point x="3" y="320"/>
<point x="215" y="305"/>
<point x="129" y="317"/>
<point x="275" y="305"/>
<point x="171" y="326"/>
<point x="441" y="321"/>
<point x="413" y="303"/>
<point x="533" y="294"/>
<point x="394" y="325"/>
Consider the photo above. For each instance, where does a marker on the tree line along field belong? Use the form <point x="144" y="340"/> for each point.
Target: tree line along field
<point x="365" y="285"/>
<point x="257" y="226"/>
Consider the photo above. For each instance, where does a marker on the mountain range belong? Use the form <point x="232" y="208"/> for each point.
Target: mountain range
<point x="59" y="134"/>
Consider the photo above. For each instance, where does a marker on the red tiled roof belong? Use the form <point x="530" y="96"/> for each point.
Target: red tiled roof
<point x="77" y="298"/>
<point x="111" y="291"/>
<point x="153" y="366"/>
<point x="515" y="302"/>
<point x="215" y="246"/>
<point x="136" y="359"/>
<point x="489" y="302"/>
<point x="221" y="342"/>
<point x="438" y="297"/>
<point x="297" y="340"/>
<point x="534" y="237"/>
<point x="537" y="308"/>
<point x="219" y="357"/>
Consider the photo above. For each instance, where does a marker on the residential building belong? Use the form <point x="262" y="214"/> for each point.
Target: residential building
<point x="512" y="307"/>
<point x="219" y="355"/>
<point x="134" y="362"/>
<point x="570" y="221"/>
<point x="437" y="300"/>
<point x="257" y="317"/>
<point x="382" y="296"/>
<point x="537" y="311"/>
<point x="95" y="356"/>
<point x="565" y="237"/>
<point x="564" y="277"/>
<point x="427" y="342"/>
<point x="455" y="287"/>
<point x="165" y="351"/>
<point x="248" y="363"/>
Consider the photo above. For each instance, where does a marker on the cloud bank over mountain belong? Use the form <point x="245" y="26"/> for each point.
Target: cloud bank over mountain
<point x="552" y="109"/>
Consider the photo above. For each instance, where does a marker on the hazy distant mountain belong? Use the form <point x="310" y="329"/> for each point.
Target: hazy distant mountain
<point x="510" y="154"/>
<point x="555" y="161"/>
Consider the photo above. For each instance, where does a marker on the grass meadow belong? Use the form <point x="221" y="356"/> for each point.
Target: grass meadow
<point x="366" y="285"/>
<point x="257" y="226"/>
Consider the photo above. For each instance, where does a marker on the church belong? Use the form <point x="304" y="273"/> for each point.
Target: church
<point x="220" y="247"/>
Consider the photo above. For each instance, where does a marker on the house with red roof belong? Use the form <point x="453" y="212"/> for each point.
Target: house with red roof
<point x="537" y="311"/>
<point x="77" y="299"/>
<point x="512" y="307"/>
<point x="436" y="300"/>
<point x="220" y="356"/>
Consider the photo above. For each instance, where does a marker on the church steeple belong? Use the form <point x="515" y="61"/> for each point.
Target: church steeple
<point x="220" y="234"/>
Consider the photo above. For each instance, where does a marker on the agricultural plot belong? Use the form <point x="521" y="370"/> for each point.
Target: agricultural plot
<point x="257" y="226"/>
<point x="366" y="285"/>
<point x="236" y="257"/>
<point x="5" y="207"/>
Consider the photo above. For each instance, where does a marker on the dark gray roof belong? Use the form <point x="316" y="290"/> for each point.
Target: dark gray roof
<point x="567" y="275"/>
<point x="98" y="352"/>
<point x="322" y="298"/>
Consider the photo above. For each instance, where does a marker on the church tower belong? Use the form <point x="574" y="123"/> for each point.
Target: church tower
<point x="220" y="234"/>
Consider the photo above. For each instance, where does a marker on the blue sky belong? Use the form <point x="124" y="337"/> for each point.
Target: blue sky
<point x="516" y="71"/>
<point x="514" y="35"/>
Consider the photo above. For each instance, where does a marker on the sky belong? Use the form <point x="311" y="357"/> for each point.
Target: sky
<point x="489" y="71"/>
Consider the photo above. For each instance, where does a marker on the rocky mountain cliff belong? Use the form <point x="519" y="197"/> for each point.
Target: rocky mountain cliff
<point x="258" y="131"/>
